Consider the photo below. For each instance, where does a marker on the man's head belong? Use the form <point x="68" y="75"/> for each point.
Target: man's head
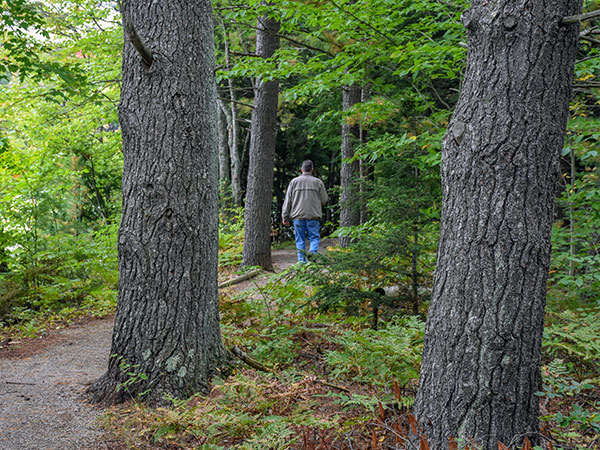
<point x="307" y="166"/>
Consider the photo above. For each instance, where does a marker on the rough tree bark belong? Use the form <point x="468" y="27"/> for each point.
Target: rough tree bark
<point x="480" y="366"/>
<point x="350" y="172"/>
<point x="259" y="190"/>
<point x="166" y="338"/>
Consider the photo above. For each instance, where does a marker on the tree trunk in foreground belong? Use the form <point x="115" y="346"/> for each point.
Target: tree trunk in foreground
<point x="259" y="191"/>
<point x="166" y="338"/>
<point x="350" y="172"/>
<point x="481" y="360"/>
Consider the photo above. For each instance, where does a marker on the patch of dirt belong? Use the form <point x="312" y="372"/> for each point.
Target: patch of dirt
<point x="27" y="347"/>
<point x="42" y="385"/>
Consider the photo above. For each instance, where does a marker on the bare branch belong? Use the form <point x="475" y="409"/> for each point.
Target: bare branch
<point x="590" y="39"/>
<point x="364" y="23"/>
<point x="250" y="55"/>
<point x="580" y="17"/>
<point x="282" y="36"/>
<point x="223" y="99"/>
<point x="587" y="58"/>
<point x="251" y="362"/>
<point x="586" y="84"/>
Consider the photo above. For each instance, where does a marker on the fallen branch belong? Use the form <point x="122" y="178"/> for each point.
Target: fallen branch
<point x="250" y="361"/>
<point x="259" y="366"/>
<point x="241" y="278"/>
<point x="331" y="385"/>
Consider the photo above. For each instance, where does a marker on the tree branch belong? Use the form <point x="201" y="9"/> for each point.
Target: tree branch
<point x="587" y="58"/>
<point x="586" y="84"/>
<point x="250" y="361"/>
<point x="590" y="39"/>
<point x="282" y="36"/>
<point x="345" y="11"/>
<point x="137" y="43"/>
<point x="578" y="18"/>
<point x="250" y="55"/>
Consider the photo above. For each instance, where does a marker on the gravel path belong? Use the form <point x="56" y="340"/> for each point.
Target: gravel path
<point x="42" y="402"/>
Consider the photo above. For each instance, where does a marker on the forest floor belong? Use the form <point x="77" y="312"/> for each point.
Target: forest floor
<point x="43" y="404"/>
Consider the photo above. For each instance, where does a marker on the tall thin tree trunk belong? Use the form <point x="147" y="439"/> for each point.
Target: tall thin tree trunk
<point x="415" y="269"/>
<point x="480" y="368"/>
<point x="350" y="171"/>
<point x="224" y="178"/>
<point x="259" y="190"/>
<point x="571" y="219"/>
<point x="166" y="338"/>
<point x="231" y="115"/>
<point x="365" y="169"/>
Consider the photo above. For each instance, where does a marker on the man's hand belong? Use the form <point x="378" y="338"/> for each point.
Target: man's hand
<point x="285" y="222"/>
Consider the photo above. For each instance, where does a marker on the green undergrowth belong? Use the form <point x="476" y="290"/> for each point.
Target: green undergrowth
<point x="231" y="237"/>
<point x="332" y="381"/>
<point x="70" y="278"/>
<point x="570" y="397"/>
<point x="329" y="378"/>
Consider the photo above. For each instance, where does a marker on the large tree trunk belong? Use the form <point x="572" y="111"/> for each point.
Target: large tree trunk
<point x="259" y="190"/>
<point x="350" y="172"/>
<point x="480" y="366"/>
<point x="166" y="338"/>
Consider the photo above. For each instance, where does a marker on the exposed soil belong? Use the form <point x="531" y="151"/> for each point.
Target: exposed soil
<point x="43" y="405"/>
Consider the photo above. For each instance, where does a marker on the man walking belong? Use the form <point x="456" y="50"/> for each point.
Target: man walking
<point x="303" y="200"/>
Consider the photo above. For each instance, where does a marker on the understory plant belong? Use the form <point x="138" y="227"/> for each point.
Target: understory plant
<point x="72" y="274"/>
<point x="323" y="377"/>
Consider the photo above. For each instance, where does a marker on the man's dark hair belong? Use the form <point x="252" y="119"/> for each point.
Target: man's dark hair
<point x="307" y="166"/>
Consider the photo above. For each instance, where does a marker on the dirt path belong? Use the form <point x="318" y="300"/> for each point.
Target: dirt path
<point x="41" y="396"/>
<point x="42" y="385"/>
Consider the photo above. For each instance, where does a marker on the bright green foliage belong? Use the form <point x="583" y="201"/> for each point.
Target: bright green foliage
<point x="407" y="55"/>
<point x="380" y="357"/>
<point x="231" y="236"/>
<point x="25" y="38"/>
<point x="71" y="273"/>
<point x="573" y="336"/>
<point x="60" y="168"/>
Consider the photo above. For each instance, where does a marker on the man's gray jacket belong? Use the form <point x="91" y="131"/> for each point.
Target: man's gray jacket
<point x="304" y="198"/>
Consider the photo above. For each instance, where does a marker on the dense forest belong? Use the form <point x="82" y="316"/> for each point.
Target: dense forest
<point x="457" y="303"/>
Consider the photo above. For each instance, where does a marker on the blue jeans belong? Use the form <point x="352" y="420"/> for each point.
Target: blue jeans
<point x="306" y="228"/>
